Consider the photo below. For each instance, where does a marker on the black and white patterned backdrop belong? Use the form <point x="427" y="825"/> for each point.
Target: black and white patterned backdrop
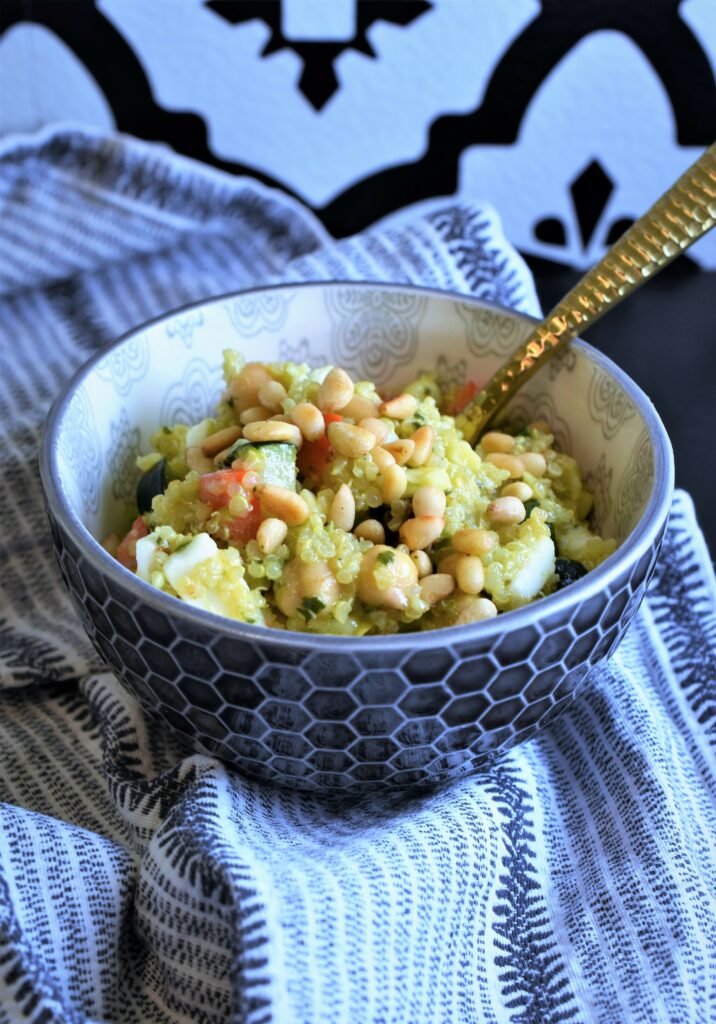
<point x="568" y="115"/>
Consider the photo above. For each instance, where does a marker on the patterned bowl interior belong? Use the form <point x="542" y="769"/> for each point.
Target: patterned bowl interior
<point x="170" y="371"/>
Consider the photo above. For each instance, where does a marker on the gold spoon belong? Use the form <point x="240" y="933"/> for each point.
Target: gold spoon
<point x="684" y="214"/>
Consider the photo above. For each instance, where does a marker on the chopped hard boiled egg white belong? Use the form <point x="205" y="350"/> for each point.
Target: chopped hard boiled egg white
<point x="187" y="558"/>
<point x="200" y="573"/>
<point x="535" y="573"/>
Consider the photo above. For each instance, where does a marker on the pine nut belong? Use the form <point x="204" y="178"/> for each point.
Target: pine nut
<point x="271" y="430"/>
<point x="272" y="395"/>
<point x="512" y="463"/>
<point x="378" y="427"/>
<point x="246" y="384"/>
<point x="436" y="587"/>
<point x="221" y="439"/>
<point x="505" y="511"/>
<point x="475" y="610"/>
<point x="428" y="501"/>
<point x="473" y="541"/>
<point x="395" y="483"/>
<point x="343" y="509"/>
<point x="494" y="441"/>
<point x="400" y="407"/>
<point x="271" y="535"/>
<point x="309" y="420"/>
<point x="281" y="503"/>
<point x="448" y="564"/>
<point x="372" y="530"/>
<point x="470" y="574"/>
<point x="196" y="460"/>
<point x="518" y="489"/>
<point x="382" y="458"/>
<point x="423" y="439"/>
<point x="253" y="414"/>
<point x="422" y="531"/>
<point x="335" y="392"/>
<point x="280" y="417"/>
<point x="359" y="408"/>
<point x="422" y="563"/>
<point x="534" y="463"/>
<point x="349" y="440"/>
<point x="400" y="450"/>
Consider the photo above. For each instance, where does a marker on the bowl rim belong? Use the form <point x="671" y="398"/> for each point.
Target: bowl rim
<point x="632" y="548"/>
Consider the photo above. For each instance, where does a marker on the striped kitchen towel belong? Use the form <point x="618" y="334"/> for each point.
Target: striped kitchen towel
<point x="574" y="880"/>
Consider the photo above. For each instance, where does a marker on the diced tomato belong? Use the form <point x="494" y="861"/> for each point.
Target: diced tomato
<point x="314" y="455"/>
<point x="217" y="490"/>
<point x="127" y="550"/>
<point x="462" y="396"/>
<point x="244" y="528"/>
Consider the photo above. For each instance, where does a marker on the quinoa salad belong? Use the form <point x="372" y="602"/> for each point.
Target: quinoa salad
<point x="311" y="502"/>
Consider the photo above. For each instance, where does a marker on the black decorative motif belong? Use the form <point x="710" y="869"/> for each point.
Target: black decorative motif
<point x="682" y="66"/>
<point x="590" y="194"/>
<point x="318" y="80"/>
<point x="355" y="718"/>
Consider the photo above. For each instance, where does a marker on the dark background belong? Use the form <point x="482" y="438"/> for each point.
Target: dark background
<point x="663" y="337"/>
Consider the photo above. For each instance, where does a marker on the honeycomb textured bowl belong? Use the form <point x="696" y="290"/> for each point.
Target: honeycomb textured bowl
<point x="346" y="713"/>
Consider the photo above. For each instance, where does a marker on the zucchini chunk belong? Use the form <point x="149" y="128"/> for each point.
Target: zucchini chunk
<point x="274" y="461"/>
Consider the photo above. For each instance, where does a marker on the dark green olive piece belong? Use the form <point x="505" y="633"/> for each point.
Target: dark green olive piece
<point x="151" y="483"/>
<point x="568" y="571"/>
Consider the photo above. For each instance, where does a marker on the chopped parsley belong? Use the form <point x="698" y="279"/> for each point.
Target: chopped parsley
<point x="166" y="430"/>
<point x="386" y="557"/>
<point x="183" y="544"/>
<point x="310" y="607"/>
<point x="418" y="418"/>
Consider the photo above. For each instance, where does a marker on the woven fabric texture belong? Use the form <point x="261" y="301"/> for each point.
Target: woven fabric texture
<point x="574" y="880"/>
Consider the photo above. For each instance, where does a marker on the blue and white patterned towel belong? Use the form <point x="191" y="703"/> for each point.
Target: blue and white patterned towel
<point x="575" y="880"/>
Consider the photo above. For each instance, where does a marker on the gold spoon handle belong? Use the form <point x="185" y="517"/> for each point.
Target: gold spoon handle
<point x="683" y="214"/>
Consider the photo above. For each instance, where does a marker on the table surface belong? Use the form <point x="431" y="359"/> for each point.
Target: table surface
<point x="663" y="336"/>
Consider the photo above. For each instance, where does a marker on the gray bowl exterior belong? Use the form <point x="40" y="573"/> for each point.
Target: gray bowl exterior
<point x="308" y="714"/>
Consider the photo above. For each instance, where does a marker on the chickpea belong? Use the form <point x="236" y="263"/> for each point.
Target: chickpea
<point x="403" y="573"/>
<point x="305" y="579"/>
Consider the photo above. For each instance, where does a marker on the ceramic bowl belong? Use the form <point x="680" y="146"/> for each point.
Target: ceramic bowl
<point x="341" y="713"/>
